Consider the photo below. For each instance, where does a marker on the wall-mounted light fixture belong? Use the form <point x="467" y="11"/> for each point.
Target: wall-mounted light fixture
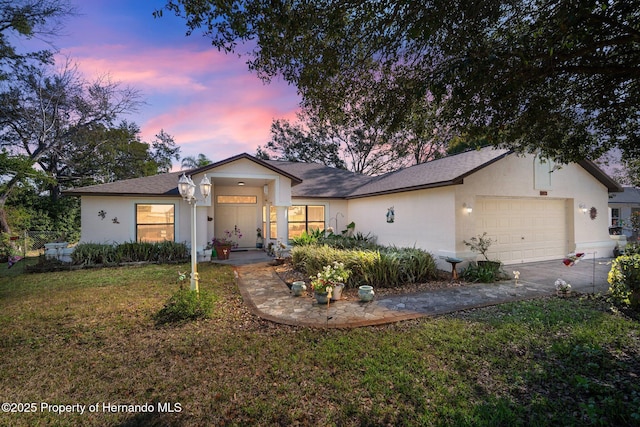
<point x="583" y="208"/>
<point x="467" y="208"/>
<point x="240" y="183"/>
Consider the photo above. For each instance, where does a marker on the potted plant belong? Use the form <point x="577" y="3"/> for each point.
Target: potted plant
<point x="223" y="245"/>
<point x="321" y="288"/>
<point x="481" y="244"/>
<point x="259" y="238"/>
<point x="278" y="251"/>
<point x="332" y="276"/>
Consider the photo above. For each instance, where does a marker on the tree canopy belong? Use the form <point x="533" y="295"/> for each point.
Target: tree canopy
<point x="26" y="19"/>
<point x="193" y="162"/>
<point x="559" y="76"/>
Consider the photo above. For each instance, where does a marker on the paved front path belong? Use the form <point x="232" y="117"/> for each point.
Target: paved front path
<point x="270" y="298"/>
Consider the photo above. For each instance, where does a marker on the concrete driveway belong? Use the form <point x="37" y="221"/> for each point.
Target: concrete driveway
<point x="587" y="276"/>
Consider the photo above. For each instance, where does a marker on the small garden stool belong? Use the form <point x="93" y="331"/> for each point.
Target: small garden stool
<point x="453" y="262"/>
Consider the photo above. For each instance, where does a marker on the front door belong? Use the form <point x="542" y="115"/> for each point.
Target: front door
<point x="242" y="218"/>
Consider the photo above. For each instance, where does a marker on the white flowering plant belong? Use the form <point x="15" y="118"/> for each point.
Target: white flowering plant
<point x="330" y="276"/>
<point x="562" y="286"/>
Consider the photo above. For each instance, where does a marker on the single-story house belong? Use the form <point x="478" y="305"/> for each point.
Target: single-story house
<point x="621" y="207"/>
<point x="533" y="209"/>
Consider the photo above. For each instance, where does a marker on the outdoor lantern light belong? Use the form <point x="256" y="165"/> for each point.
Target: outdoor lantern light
<point x="583" y="208"/>
<point x="468" y="209"/>
<point x="205" y="186"/>
<point x="187" y="190"/>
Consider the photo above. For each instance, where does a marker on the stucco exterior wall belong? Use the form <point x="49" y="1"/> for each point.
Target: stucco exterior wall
<point x="513" y="176"/>
<point x="279" y="186"/>
<point x="98" y="230"/>
<point x="423" y="219"/>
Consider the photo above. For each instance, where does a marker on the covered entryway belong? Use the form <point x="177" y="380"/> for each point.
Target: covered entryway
<point x="242" y="218"/>
<point x="523" y="229"/>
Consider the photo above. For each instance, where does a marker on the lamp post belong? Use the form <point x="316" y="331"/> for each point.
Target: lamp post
<point x="187" y="190"/>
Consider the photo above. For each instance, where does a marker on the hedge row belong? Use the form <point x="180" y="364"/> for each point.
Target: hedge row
<point x="385" y="267"/>
<point x="106" y="254"/>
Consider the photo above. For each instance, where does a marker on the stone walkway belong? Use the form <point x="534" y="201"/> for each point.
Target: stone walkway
<point x="270" y="298"/>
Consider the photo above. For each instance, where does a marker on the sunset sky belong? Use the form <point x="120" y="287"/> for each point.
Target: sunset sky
<point x="207" y="100"/>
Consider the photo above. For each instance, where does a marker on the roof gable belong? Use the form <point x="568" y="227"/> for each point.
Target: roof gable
<point x="445" y="171"/>
<point x="165" y="184"/>
<point x="267" y="164"/>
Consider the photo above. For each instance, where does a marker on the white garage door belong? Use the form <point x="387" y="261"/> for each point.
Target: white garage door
<point x="523" y="230"/>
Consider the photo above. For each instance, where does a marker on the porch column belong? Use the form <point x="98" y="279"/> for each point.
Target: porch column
<point x="283" y="224"/>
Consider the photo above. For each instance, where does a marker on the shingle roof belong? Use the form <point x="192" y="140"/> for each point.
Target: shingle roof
<point x="164" y="184"/>
<point x="630" y="195"/>
<point x="321" y="181"/>
<point x="437" y="173"/>
<point x="314" y="180"/>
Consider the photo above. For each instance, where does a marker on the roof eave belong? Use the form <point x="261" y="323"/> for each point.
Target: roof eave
<point x="601" y="176"/>
<point x="294" y="179"/>
<point x="456" y="181"/>
<point x="116" y="194"/>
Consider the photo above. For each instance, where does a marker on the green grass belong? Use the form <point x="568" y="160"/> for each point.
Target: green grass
<point x="89" y="337"/>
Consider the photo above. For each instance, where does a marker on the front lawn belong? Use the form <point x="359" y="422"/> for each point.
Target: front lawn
<point x="88" y="338"/>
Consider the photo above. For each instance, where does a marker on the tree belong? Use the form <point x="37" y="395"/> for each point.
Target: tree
<point x="42" y="112"/>
<point x="191" y="162"/>
<point x="164" y="150"/>
<point x="26" y="19"/>
<point x="294" y="143"/>
<point x="99" y="154"/>
<point x="625" y="171"/>
<point x="352" y="137"/>
<point x="559" y="76"/>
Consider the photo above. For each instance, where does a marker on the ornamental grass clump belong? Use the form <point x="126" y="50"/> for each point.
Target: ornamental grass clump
<point x="385" y="267"/>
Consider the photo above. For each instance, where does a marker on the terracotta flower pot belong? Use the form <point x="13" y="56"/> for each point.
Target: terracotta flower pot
<point x="223" y="251"/>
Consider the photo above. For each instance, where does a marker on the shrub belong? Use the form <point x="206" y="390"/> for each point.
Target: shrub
<point x="482" y="272"/>
<point x="168" y="251"/>
<point x="632" y="249"/>
<point x="95" y="253"/>
<point x="356" y="241"/>
<point x="624" y="280"/>
<point x="107" y="254"/>
<point x="185" y="305"/>
<point x="308" y="238"/>
<point x="480" y="244"/>
<point x="6" y="248"/>
<point x="385" y="267"/>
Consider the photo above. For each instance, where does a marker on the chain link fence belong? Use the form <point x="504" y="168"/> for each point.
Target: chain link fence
<point x="31" y="243"/>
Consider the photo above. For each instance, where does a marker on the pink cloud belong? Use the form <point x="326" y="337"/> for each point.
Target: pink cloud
<point x="208" y="101"/>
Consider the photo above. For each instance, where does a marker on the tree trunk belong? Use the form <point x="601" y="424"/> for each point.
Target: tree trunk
<point x="4" y="225"/>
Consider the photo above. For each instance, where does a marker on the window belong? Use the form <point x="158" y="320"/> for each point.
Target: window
<point x="615" y="217"/>
<point x="246" y="200"/>
<point x="273" y="222"/>
<point x="155" y="222"/>
<point x="305" y="218"/>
